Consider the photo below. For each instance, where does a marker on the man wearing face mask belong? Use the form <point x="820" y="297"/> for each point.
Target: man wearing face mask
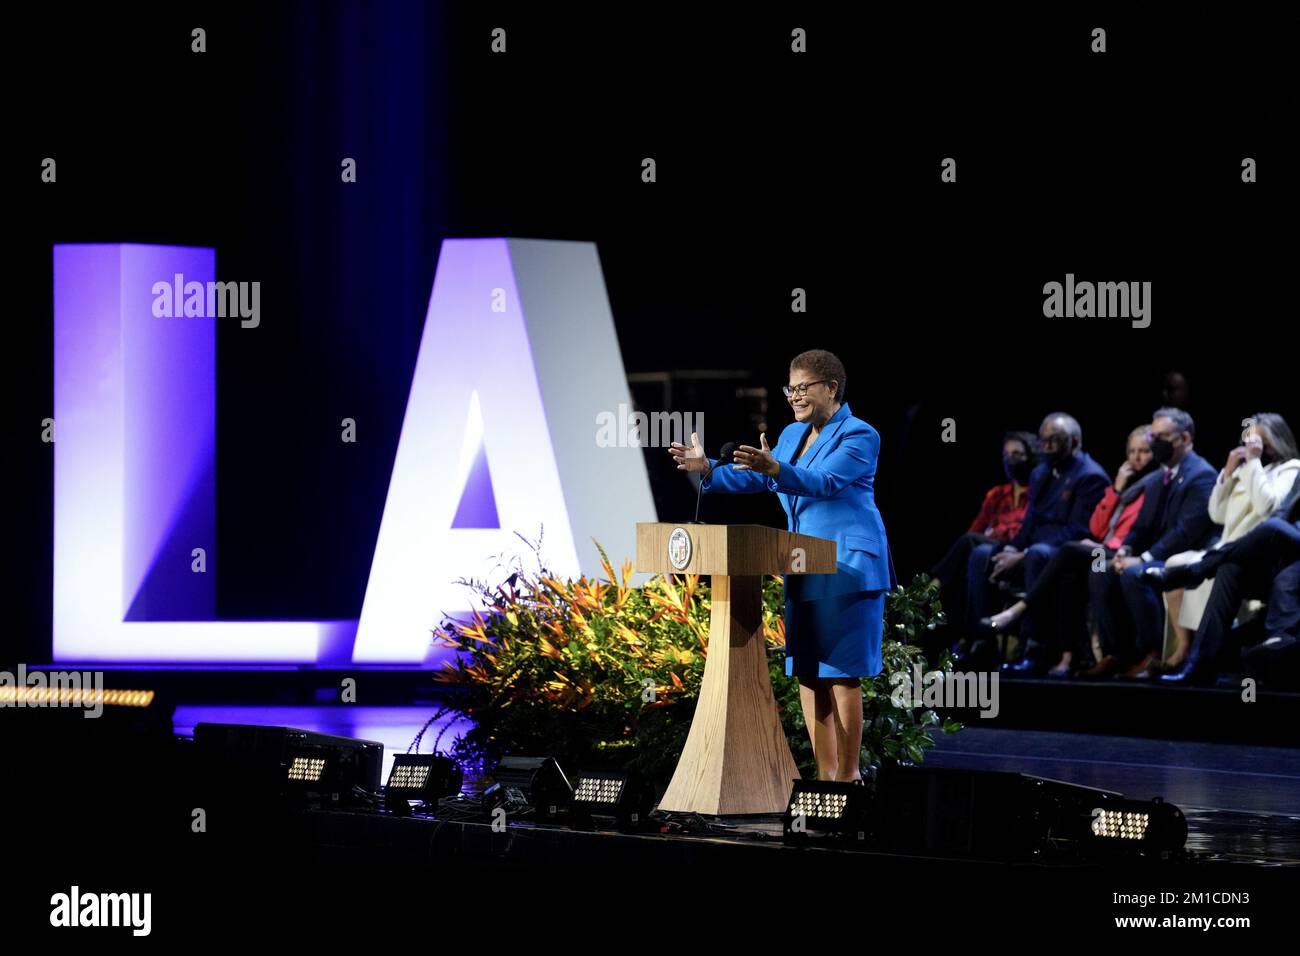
<point x="1064" y="488"/>
<point x="1174" y="517"/>
<point x="1058" y="600"/>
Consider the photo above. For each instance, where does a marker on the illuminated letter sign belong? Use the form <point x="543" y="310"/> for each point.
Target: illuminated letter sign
<point x="517" y="362"/>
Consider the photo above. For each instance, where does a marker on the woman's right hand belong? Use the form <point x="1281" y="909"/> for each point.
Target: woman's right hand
<point x="1123" y="475"/>
<point x="689" y="459"/>
<point x="1235" y="458"/>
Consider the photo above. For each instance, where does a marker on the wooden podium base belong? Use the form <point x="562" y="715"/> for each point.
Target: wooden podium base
<point x="737" y="759"/>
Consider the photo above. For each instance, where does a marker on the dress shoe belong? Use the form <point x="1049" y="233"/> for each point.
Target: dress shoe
<point x="1191" y="674"/>
<point x="1139" y="668"/>
<point x="1170" y="579"/>
<point x="1155" y="670"/>
<point x="1108" y="666"/>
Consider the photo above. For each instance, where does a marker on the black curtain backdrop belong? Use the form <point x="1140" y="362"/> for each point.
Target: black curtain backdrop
<point x="775" y="171"/>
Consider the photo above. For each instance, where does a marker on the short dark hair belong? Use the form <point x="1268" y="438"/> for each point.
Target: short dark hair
<point x="1182" y="421"/>
<point x="825" y="365"/>
<point x="1025" y="438"/>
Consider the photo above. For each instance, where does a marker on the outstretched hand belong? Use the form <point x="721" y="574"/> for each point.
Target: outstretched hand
<point x="689" y="459"/>
<point x="760" y="459"/>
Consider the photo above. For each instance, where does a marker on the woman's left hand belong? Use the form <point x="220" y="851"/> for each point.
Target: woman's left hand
<point x="748" y="457"/>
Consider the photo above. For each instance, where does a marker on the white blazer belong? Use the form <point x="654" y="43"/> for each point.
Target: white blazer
<point x="1250" y="494"/>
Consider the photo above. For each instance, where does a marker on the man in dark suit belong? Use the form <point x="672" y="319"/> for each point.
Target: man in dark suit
<point x="1175" y="517"/>
<point x="1064" y="488"/>
<point x="1263" y="562"/>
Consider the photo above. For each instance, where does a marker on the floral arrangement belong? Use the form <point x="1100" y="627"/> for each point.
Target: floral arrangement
<point x="601" y="673"/>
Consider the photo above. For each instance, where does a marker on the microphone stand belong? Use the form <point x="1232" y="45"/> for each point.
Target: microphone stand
<point x="726" y="457"/>
<point x="699" y="492"/>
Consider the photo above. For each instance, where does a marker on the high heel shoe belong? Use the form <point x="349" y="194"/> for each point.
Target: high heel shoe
<point x="1062" y="671"/>
<point x="989" y="627"/>
<point x="1191" y="674"/>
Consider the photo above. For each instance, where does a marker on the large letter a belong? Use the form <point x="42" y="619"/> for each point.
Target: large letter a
<point x="518" y="336"/>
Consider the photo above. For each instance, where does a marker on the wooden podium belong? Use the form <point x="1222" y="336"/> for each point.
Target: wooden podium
<point x="737" y="759"/>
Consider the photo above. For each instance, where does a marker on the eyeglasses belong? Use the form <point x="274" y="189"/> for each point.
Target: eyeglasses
<point x="801" y="389"/>
<point x="1051" y="441"/>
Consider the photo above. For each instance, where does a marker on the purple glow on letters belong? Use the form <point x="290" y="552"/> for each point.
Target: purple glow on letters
<point x="134" y="469"/>
<point x="517" y="365"/>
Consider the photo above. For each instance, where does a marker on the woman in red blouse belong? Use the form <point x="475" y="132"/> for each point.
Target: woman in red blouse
<point x="999" y="518"/>
<point x="1004" y="506"/>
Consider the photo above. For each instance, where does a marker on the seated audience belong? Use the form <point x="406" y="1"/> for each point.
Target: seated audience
<point x="999" y="518"/>
<point x="1058" y="599"/>
<point x="1174" y="517"/>
<point x="1256" y="479"/>
<point x="1264" y="562"/>
<point x="1064" y="488"/>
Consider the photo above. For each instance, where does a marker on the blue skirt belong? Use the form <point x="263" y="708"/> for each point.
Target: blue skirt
<point x="835" y="636"/>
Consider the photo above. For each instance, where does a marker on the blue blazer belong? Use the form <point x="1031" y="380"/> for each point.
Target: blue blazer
<point x="827" y="494"/>
<point x="1176" y="517"/>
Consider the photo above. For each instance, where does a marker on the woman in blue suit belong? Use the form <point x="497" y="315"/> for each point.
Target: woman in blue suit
<point x="822" y="468"/>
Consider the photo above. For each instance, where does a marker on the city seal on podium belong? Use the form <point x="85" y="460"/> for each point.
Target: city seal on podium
<point x="679" y="548"/>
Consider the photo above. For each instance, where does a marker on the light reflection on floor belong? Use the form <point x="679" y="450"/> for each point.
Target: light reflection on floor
<point x="1211" y="776"/>
<point x="394" y="727"/>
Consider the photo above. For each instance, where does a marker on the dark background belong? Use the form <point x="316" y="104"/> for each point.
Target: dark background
<point x="819" y="171"/>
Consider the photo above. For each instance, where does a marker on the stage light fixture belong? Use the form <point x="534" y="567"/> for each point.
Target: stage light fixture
<point x="303" y="769"/>
<point x="536" y="782"/>
<point x="247" y="763"/>
<point x="1013" y="817"/>
<point x="74" y="697"/>
<point x="1132" y="826"/>
<point x="620" y="795"/>
<point x="422" y="778"/>
<point x="835" y="808"/>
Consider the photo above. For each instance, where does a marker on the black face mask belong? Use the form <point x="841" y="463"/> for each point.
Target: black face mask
<point x="1017" y="469"/>
<point x="1055" y="458"/>
<point x="1267" y="457"/>
<point x="1162" y="450"/>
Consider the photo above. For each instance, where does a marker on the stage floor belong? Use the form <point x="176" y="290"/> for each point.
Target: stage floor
<point x="1241" y="803"/>
<point x="1210" y="776"/>
<point x="1217" y="835"/>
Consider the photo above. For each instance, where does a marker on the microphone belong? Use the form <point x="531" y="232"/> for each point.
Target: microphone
<point x="725" y="457"/>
